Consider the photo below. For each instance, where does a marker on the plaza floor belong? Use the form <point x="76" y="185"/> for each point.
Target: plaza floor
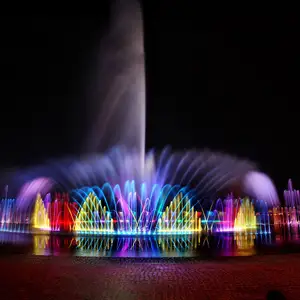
<point x="41" y="277"/>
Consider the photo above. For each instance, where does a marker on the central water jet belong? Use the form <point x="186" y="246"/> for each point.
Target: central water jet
<point x="119" y="102"/>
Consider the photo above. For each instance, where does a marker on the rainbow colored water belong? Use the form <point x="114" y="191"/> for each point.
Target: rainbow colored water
<point x="141" y="210"/>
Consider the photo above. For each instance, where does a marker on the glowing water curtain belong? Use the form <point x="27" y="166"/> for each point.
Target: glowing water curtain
<point x="291" y="196"/>
<point x="61" y="212"/>
<point x="40" y="218"/>
<point x="93" y="217"/>
<point x="263" y="219"/>
<point x="179" y="216"/>
<point x="238" y="215"/>
<point x="112" y="209"/>
<point x="290" y="214"/>
<point x="146" y="210"/>
<point x="246" y="218"/>
<point x="225" y="214"/>
<point x="12" y="219"/>
<point x="6" y="210"/>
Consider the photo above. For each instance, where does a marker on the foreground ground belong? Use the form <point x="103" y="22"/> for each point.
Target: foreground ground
<point x="40" y="277"/>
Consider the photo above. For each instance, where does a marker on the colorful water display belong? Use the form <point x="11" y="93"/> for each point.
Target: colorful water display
<point x="179" y="216"/>
<point x="93" y="217"/>
<point x="12" y="219"/>
<point x="138" y="209"/>
<point x="141" y="193"/>
<point x="40" y="217"/>
<point x="291" y="196"/>
<point x="135" y="209"/>
<point x="236" y="215"/>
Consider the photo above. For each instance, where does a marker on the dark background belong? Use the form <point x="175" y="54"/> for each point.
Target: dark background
<point x="226" y="81"/>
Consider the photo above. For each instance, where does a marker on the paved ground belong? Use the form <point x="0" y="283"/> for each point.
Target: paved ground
<point x="42" y="278"/>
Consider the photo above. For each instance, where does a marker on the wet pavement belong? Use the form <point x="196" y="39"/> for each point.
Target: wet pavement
<point x="66" y="277"/>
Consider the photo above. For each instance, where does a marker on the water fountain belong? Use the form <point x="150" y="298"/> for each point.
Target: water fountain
<point x="13" y="219"/>
<point x="40" y="218"/>
<point x="246" y="218"/>
<point x="179" y="217"/>
<point x="129" y="210"/>
<point x="226" y="213"/>
<point x="120" y="125"/>
<point x="61" y="212"/>
<point x="117" y="188"/>
<point x="93" y="217"/>
<point x="291" y="196"/>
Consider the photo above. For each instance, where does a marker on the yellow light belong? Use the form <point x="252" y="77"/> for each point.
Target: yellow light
<point x="93" y="217"/>
<point x="179" y="217"/>
<point x="40" y="219"/>
<point x="40" y="243"/>
<point x="245" y="218"/>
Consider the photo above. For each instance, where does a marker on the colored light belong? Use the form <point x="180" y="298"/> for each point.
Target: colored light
<point x="246" y="218"/>
<point x="40" y="219"/>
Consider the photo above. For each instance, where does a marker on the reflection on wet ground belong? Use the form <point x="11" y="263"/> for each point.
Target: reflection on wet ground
<point x="205" y="246"/>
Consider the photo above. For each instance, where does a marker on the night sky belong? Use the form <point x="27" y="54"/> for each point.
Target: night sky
<point x="227" y="82"/>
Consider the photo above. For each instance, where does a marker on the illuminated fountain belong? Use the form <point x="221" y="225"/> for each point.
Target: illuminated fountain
<point x="93" y="217"/>
<point x="287" y="218"/>
<point x="135" y="210"/>
<point x="114" y="151"/>
<point x="61" y="212"/>
<point x="291" y="196"/>
<point x="179" y="216"/>
<point x="277" y="218"/>
<point x="246" y="218"/>
<point x="237" y="215"/>
<point x="292" y="207"/>
<point x="13" y="219"/>
<point x="7" y="213"/>
<point x="225" y="212"/>
<point x="263" y="219"/>
<point x="40" y="218"/>
<point x="141" y="193"/>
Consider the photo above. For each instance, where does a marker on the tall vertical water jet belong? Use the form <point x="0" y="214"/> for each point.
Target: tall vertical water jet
<point x="118" y="107"/>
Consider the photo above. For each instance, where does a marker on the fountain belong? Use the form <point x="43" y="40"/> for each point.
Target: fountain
<point x="226" y="212"/>
<point x="135" y="210"/>
<point x="180" y="217"/>
<point x="246" y="218"/>
<point x="40" y="218"/>
<point x="119" y="119"/>
<point x="291" y="196"/>
<point x="118" y="134"/>
<point x="93" y="217"/>
<point x="128" y="210"/>
<point x="119" y="188"/>
<point x="61" y="212"/>
<point x="13" y="219"/>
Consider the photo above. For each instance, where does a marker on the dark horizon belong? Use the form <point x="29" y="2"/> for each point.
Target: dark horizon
<point x="225" y="83"/>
